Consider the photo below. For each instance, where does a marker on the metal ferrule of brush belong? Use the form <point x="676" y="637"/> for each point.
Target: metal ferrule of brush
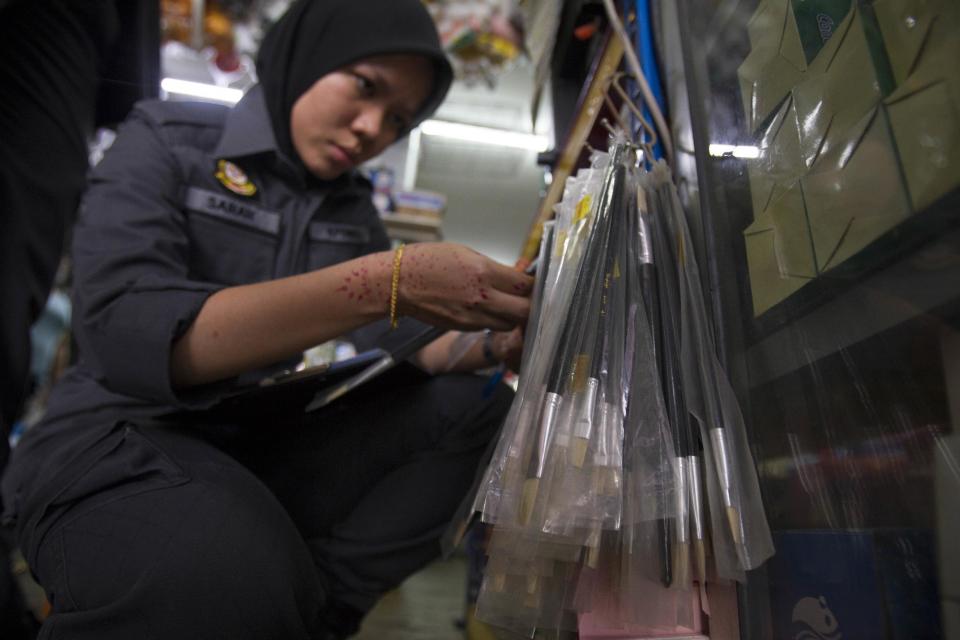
<point x="524" y="418"/>
<point x="583" y="426"/>
<point x="721" y="455"/>
<point x="601" y="455"/>
<point x="564" y="423"/>
<point x="548" y="419"/>
<point x="680" y="477"/>
<point x="696" y="497"/>
<point x="608" y="456"/>
<point x="645" y="242"/>
<point x="617" y="419"/>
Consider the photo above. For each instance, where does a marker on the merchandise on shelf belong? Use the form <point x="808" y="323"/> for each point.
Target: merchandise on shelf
<point x="622" y="479"/>
<point x="854" y="111"/>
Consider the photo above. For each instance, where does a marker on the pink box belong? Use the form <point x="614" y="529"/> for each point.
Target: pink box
<point x="675" y="605"/>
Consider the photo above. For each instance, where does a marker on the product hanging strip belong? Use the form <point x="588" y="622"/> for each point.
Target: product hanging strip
<point x="622" y="480"/>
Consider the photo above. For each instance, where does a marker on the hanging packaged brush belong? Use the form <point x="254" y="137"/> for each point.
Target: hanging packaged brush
<point x="740" y="533"/>
<point x="516" y="460"/>
<point x="622" y="479"/>
<point x="568" y="418"/>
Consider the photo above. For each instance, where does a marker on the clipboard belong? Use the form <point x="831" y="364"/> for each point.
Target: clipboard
<point x="315" y="387"/>
<point x="384" y="362"/>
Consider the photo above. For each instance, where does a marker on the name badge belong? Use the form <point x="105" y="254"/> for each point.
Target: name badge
<point x="219" y="206"/>
<point x="340" y="233"/>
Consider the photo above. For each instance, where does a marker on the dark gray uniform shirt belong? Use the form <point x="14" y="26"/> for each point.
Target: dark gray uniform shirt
<point x="158" y="232"/>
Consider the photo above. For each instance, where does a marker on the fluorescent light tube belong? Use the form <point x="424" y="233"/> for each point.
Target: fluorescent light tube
<point x="737" y="151"/>
<point x="484" y="135"/>
<point x="201" y="90"/>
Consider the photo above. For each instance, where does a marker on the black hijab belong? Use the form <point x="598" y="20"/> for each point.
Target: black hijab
<point x="315" y="37"/>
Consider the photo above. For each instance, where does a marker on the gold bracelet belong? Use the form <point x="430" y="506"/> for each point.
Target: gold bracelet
<point x="395" y="286"/>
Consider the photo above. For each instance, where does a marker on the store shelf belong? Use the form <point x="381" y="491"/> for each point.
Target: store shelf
<point x="412" y="227"/>
<point x="411" y="220"/>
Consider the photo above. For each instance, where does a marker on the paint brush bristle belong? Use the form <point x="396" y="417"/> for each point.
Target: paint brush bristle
<point x="528" y="499"/>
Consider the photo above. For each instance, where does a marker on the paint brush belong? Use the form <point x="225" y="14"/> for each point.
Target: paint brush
<point x="677" y="414"/>
<point x="648" y="284"/>
<point x="608" y="439"/>
<point x="549" y="410"/>
<point x="569" y="341"/>
<point x="591" y="362"/>
<point x="697" y="519"/>
<point x="724" y="467"/>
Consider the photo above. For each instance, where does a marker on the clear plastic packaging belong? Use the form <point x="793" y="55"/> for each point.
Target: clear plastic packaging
<point x="529" y="427"/>
<point x="740" y="533"/>
<point x="622" y="480"/>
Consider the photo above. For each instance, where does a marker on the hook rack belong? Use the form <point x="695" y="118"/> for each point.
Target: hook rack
<point x="614" y="82"/>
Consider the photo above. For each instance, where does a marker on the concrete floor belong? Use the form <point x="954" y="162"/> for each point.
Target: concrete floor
<point x="431" y="605"/>
<point x="427" y="606"/>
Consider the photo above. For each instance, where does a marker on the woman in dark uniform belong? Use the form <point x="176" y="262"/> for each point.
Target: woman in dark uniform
<point x="214" y="245"/>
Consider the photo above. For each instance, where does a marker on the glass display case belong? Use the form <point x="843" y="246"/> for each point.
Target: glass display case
<point x="819" y="153"/>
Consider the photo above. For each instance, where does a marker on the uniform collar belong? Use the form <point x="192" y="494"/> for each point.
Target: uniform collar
<point x="247" y="130"/>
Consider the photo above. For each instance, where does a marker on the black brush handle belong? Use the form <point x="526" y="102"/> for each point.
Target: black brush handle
<point x="642" y="285"/>
<point x="574" y="329"/>
<point x="669" y="352"/>
<point x="604" y="284"/>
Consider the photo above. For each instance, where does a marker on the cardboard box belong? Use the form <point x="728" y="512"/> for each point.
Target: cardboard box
<point x="594" y="627"/>
<point x="824" y="584"/>
<point x="854" y="584"/>
<point x="779" y="249"/>
<point x="859" y="104"/>
<point x="924" y="50"/>
<point x="855" y="192"/>
<point x="775" y="64"/>
<point x="420" y="203"/>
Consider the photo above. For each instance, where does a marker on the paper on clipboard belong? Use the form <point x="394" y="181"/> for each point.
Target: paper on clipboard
<point x="387" y="361"/>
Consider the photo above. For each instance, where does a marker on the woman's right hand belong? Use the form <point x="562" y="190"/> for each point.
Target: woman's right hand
<point x="452" y="286"/>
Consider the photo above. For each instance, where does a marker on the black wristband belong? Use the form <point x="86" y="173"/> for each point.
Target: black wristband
<point x="488" y="347"/>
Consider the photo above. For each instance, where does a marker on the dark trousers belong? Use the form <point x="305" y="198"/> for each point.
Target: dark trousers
<point x="287" y="530"/>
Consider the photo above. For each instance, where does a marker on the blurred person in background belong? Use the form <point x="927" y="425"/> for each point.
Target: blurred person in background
<point x="63" y="71"/>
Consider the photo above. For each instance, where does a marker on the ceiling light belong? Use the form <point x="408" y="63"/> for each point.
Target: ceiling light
<point x="485" y="135"/>
<point x="201" y="90"/>
<point x="737" y="151"/>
